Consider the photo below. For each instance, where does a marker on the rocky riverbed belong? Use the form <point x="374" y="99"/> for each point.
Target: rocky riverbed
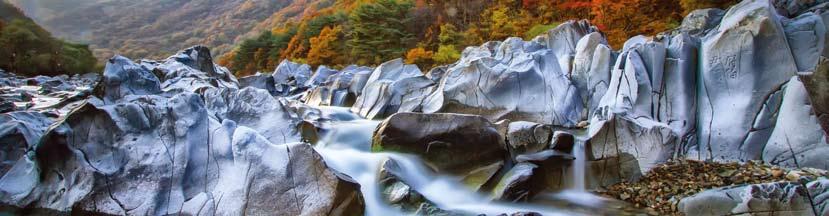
<point x="514" y="127"/>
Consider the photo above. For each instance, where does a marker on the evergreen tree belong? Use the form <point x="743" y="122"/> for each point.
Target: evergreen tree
<point x="378" y="31"/>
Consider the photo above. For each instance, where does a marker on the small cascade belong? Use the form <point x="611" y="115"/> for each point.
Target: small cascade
<point x="346" y="147"/>
<point x="579" y="165"/>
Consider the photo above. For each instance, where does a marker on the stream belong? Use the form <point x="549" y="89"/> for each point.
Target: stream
<point x="345" y="145"/>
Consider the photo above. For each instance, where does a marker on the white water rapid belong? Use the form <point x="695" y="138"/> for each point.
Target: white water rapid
<point x="346" y="147"/>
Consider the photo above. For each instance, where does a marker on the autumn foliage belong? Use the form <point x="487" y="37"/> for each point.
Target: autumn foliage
<point x="435" y="32"/>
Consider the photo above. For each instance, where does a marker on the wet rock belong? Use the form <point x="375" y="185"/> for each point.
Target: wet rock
<point x="563" y="141"/>
<point x="290" y="77"/>
<point x="514" y="80"/>
<point x="123" y="77"/>
<point x="739" y="80"/>
<point x="515" y="184"/>
<point x="479" y="178"/>
<point x="452" y="143"/>
<point x="19" y="131"/>
<point x="7" y="106"/>
<point x="528" y="137"/>
<point x="550" y="173"/>
<point x="395" y="191"/>
<point x="392" y="87"/>
<point x="797" y="140"/>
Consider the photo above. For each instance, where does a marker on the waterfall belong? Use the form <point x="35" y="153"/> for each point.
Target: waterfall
<point x="579" y="165"/>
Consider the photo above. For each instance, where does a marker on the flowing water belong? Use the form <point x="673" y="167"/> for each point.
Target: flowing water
<point x="346" y="147"/>
<point x="579" y="165"/>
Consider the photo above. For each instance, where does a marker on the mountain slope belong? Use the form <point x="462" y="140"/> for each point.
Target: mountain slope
<point x="151" y="28"/>
<point x="30" y="50"/>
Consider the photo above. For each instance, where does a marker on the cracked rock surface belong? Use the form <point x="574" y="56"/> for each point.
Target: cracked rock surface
<point x="190" y="143"/>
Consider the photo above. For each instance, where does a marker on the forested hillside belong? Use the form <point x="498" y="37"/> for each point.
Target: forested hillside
<point x="28" y="49"/>
<point x="154" y="28"/>
<point x="434" y="32"/>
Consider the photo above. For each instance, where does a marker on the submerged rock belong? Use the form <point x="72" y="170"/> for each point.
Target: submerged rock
<point x="515" y="185"/>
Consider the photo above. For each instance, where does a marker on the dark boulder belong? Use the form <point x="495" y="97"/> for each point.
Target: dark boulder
<point x="452" y="143"/>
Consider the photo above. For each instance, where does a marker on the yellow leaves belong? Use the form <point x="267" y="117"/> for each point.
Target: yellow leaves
<point x="323" y="48"/>
<point x="419" y="56"/>
<point x="678" y="179"/>
<point x="447" y="54"/>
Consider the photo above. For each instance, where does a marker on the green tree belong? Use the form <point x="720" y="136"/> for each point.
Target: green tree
<point x="378" y="31"/>
<point x="30" y="50"/>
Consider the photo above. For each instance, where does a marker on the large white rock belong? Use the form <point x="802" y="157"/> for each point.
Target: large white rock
<point x="291" y="78"/>
<point x="123" y="77"/>
<point x="253" y="108"/>
<point x="190" y="70"/>
<point x="744" y="62"/>
<point x="514" y="80"/>
<point x="797" y="140"/>
<point x="589" y="76"/>
<point x="392" y="85"/>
